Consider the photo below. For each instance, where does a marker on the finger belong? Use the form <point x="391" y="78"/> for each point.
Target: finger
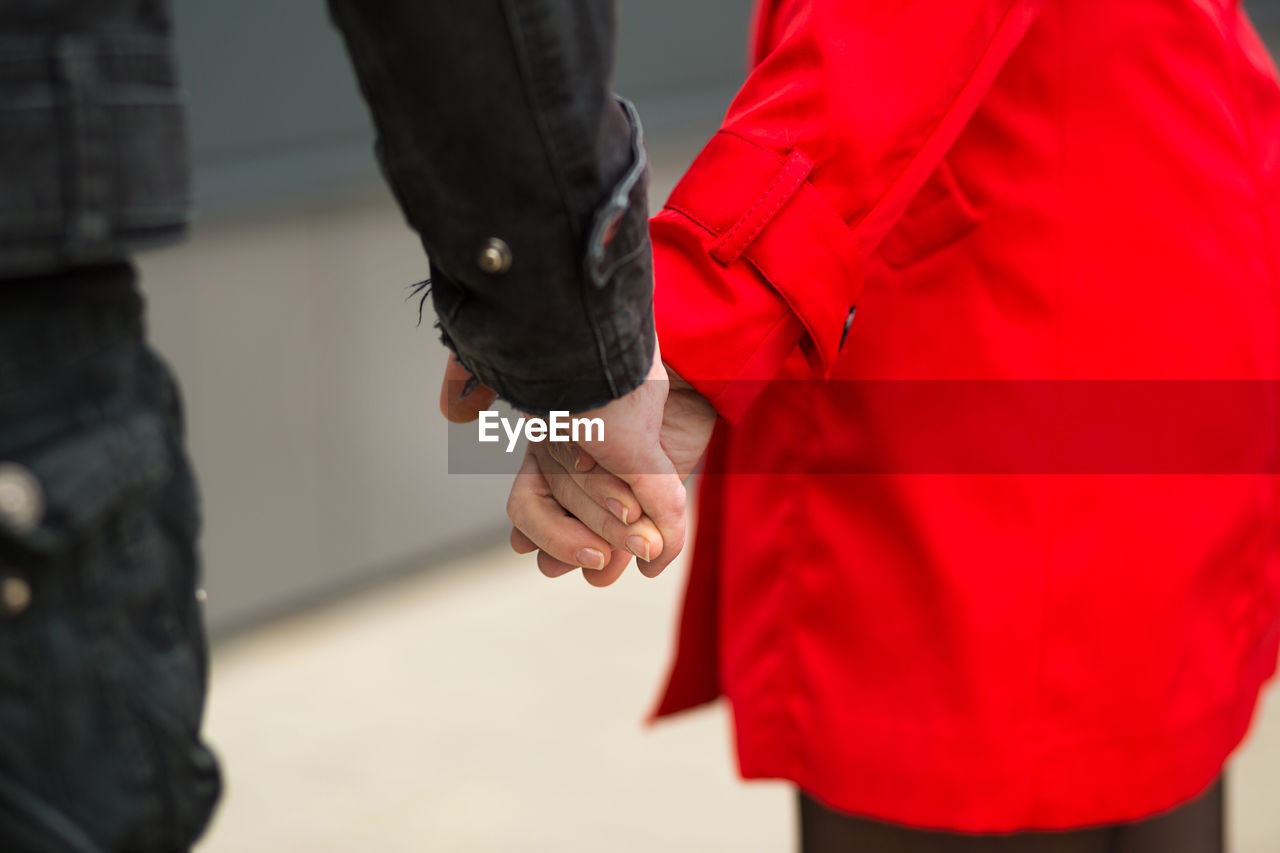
<point x="617" y="564"/>
<point x="553" y="568"/>
<point x="582" y="459"/>
<point x="544" y="522"/>
<point x="520" y="543"/>
<point x="571" y="455"/>
<point x="650" y="569"/>
<point x="640" y="538"/>
<point x="663" y="499"/>
<point x="606" y="489"/>
<point x="461" y="398"/>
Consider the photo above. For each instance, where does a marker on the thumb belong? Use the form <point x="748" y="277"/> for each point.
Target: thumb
<point x="462" y="398"/>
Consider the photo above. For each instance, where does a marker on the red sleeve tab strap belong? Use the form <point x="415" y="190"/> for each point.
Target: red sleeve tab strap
<point x="733" y="242"/>
<point x="758" y="206"/>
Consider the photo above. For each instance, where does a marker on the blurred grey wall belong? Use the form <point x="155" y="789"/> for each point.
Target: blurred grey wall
<point x="275" y="109"/>
<point x="1266" y="15"/>
<point x="311" y="391"/>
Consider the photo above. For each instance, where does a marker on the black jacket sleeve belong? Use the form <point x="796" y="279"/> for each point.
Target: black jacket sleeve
<point x="526" y="180"/>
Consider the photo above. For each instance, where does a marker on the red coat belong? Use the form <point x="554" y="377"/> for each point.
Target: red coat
<point x="1036" y="190"/>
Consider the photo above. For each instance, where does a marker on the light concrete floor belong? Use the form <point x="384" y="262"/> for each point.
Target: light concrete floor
<point x="482" y="707"/>
<point x="477" y="707"/>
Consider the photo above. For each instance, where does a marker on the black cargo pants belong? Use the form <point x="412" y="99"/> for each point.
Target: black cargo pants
<point x="103" y="658"/>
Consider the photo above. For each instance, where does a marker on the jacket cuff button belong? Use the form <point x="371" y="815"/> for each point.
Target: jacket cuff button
<point x="495" y="257"/>
<point x="21" y="498"/>
<point x="15" y="594"/>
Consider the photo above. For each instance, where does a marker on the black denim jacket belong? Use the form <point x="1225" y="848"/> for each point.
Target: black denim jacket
<point x="526" y="180"/>
<point x="93" y="149"/>
<point x="522" y="173"/>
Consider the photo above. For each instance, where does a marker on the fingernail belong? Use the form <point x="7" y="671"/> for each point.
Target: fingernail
<point x="615" y="506"/>
<point x="575" y="454"/>
<point x="590" y="558"/>
<point x="639" y="546"/>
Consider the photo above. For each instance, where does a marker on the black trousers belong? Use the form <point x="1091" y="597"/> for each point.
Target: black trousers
<point x="102" y="651"/>
<point x="1196" y="827"/>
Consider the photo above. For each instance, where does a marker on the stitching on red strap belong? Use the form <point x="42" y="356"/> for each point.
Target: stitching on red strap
<point x="735" y="241"/>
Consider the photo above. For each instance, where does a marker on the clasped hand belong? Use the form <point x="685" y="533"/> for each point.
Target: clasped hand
<point x="593" y="505"/>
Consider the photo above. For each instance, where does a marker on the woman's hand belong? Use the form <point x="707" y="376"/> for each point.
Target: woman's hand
<point x="644" y="481"/>
<point x="569" y="507"/>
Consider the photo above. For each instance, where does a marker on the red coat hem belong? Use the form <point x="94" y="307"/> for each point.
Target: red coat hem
<point x="1055" y="785"/>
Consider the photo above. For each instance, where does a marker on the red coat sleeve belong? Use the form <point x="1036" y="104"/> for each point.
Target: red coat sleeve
<point x="849" y="108"/>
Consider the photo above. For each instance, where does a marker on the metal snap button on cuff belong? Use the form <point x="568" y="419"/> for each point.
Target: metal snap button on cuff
<point x="21" y="498"/>
<point x="495" y="257"/>
<point x="15" y="594"/>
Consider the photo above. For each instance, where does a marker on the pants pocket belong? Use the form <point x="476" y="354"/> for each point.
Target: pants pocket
<point x="102" y="671"/>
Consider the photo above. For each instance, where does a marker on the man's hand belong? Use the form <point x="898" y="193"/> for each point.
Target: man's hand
<point x="556" y="478"/>
<point x="462" y="397"/>
<point x="637" y="509"/>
